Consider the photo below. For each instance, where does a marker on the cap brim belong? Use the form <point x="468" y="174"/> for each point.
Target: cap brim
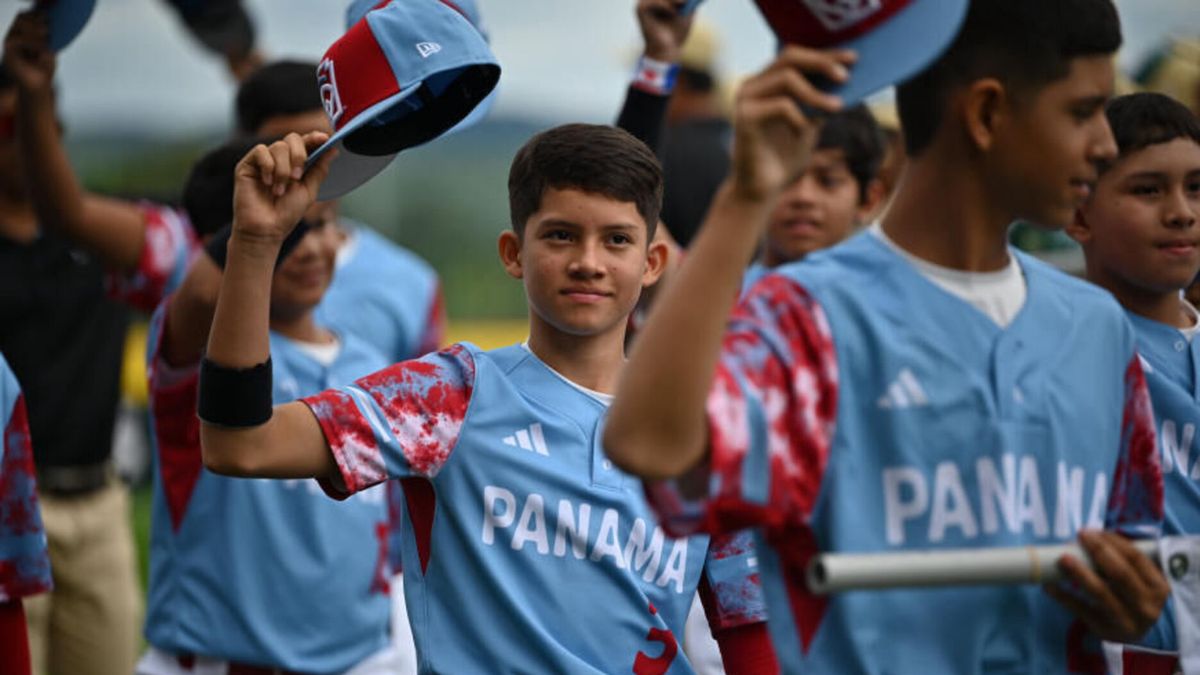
<point x="477" y="114"/>
<point x="902" y="47"/>
<point x="67" y="19"/>
<point x="351" y="169"/>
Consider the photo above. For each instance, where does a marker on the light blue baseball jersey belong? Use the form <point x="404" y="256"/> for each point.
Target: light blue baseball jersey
<point x="1170" y="362"/>
<point x="529" y="552"/>
<point x="385" y="295"/>
<point x="24" y="562"/>
<point x="753" y="273"/>
<point x="261" y="571"/>
<point x="858" y="407"/>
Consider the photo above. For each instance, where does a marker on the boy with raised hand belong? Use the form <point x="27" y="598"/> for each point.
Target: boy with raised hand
<point x="832" y="197"/>
<point x="921" y="385"/>
<point x="515" y="511"/>
<point x="1140" y="232"/>
<point x="258" y="574"/>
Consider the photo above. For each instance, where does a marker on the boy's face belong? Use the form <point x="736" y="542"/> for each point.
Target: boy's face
<point x="304" y="275"/>
<point x="1047" y="149"/>
<point x="1140" y="229"/>
<point x="818" y="210"/>
<point x="584" y="259"/>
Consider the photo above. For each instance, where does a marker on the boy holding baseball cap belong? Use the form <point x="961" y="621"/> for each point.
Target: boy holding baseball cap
<point x="921" y="385"/>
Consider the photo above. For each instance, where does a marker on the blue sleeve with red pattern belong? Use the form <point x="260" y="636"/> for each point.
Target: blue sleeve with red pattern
<point x="24" y="562"/>
<point x="402" y="421"/>
<point x="1135" y="504"/>
<point x="170" y="246"/>
<point x="731" y="590"/>
<point x="173" y="422"/>
<point x="771" y="414"/>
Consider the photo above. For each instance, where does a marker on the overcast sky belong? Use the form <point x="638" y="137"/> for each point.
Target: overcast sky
<point x="135" y="69"/>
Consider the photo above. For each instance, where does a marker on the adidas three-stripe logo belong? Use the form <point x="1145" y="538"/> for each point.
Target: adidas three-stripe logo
<point x="904" y="392"/>
<point x="530" y="439"/>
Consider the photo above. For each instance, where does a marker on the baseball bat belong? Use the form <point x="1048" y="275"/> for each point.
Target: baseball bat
<point x="838" y="572"/>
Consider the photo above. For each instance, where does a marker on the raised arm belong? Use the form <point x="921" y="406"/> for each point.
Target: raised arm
<point x="242" y="435"/>
<point x="656" y="427"/>
<point x="112" y="229"/>
<point x="664" y="29"/>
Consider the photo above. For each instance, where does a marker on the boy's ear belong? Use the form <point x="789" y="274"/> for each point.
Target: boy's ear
<point x="874" y="200"/>
<point x="509" y="246"/>
<point x="983" y="107"/>
<point x="1078" y="229"/>
<point x="656" y="261"/>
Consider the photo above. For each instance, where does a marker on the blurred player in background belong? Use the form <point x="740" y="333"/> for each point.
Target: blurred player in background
<point x="24" y="562"/>
<point x="828" y="415"/>
<point x="64" y="335"/>
<point x="1140" y="232"/>
<point x="322" y="604"/>
<point x="831" y="198"/>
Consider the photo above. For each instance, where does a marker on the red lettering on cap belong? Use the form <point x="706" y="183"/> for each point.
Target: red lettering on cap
<point x="824" y="23"/>
<point x="366" y="75"/>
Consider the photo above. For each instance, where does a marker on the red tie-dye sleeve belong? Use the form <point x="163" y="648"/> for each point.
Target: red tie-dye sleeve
<point x="24" y="563"/>
<point x="1135" y="505"/>
<point x="170" y="246"/>
<point x="771" y="414"/>
<point x="402" y="421"/>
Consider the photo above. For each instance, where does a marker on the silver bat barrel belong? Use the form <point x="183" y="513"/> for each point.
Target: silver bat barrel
<point x="838" y="572"/>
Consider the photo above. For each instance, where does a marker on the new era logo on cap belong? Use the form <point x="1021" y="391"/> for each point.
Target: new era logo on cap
<point x="427" y="49"/>
<point x="894" y="39"/>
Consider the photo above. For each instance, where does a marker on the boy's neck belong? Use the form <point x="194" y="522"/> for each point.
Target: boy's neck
<point x="590" y="361"/>
<point x="301" y="327"/>
<point x="1166" y="308"/>
<point x="17" y="219"/>
<point x="942" y="213"/>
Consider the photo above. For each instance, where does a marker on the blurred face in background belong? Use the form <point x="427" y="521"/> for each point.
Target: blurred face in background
<point x="305" y="274"/>
<point x="821" y="208"/>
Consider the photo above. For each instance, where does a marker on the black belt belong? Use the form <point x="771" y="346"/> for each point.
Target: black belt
<point x="73" y="481"/>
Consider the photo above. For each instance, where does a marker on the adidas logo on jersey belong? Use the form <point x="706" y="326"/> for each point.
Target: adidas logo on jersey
<point x="530" y="439"/>
<point x="427" y="49"/>
<point x="904" y="392"/>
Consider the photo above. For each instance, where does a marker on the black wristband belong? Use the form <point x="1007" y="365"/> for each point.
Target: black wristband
<point x="217" y="248"/>
<point x="235" y="397"/>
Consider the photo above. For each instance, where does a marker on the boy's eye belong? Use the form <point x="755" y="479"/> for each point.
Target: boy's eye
<point x="557" y="235"/>
<point x="621" y="239"/>
<point x="1192" y="186"/>
<point x="1144" y="190"/>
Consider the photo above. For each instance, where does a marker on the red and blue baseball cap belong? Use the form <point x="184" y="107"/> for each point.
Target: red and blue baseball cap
<point x="402" y="75"/>
<point x="470" y="10"/>
<point x="66" y="18"/>
<point x="894" y="39"/>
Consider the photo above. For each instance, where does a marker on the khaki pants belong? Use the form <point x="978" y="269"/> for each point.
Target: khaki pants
<point x="88" y="625"/>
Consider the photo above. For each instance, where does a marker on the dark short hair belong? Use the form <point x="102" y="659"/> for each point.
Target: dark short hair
<point x="1025" y="44"/>
<point x="593" y="158"/>
<point x="279" y="88"/>
<point x="855" y="132"/>
<point x="208" y="191"/>
<point x="1145" y="119"/>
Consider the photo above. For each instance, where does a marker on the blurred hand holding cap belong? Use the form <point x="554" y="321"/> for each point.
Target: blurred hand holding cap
<point x="894" y="39"/>
<point x="402" y="75"/>
<point x="67" y="19"/>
